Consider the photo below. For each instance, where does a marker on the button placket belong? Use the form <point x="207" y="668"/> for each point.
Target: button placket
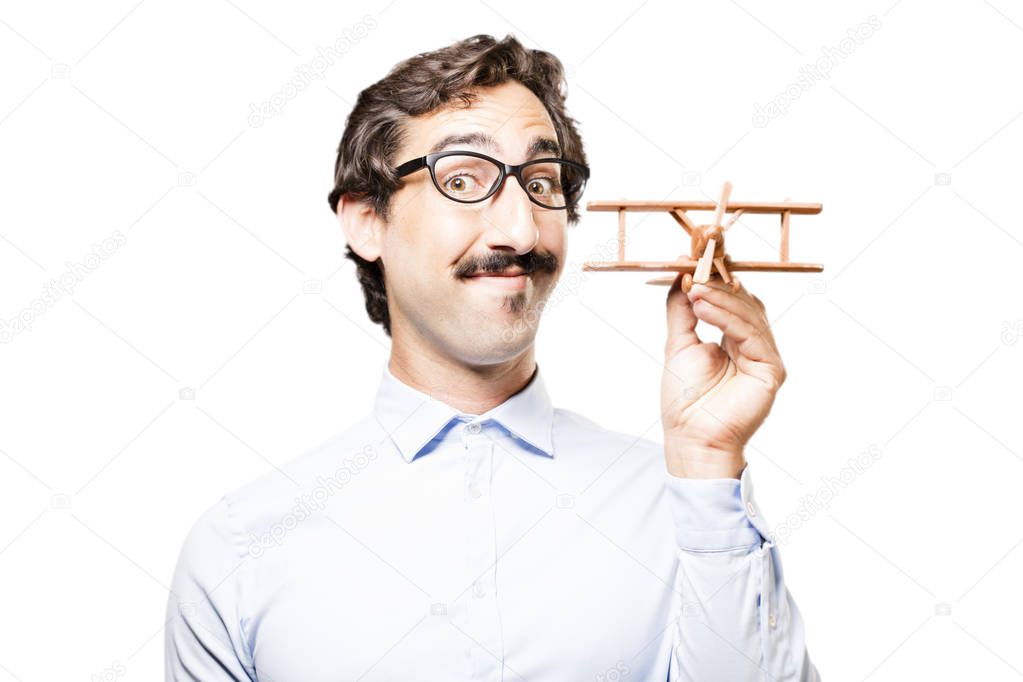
<point x="477" y="449"/>
<point x="480" y="598"/>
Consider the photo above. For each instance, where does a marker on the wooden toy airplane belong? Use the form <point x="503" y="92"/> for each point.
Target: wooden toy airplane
<point x="707" y="255"/>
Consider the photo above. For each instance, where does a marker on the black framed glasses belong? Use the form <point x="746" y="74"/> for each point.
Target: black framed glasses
<point x="470" y="177"/>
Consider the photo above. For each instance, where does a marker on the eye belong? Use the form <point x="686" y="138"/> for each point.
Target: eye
<point x="540" y="186"/>
<point x="460" y="184"/>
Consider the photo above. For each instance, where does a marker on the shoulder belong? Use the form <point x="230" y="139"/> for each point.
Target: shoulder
<point x="611" y="458"/>
<point x="573" y="427"/>
<point x="214" y="537"/>
<point x="263" y="501"/>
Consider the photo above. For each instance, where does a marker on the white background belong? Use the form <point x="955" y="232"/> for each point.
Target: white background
<point x="134" y="118"/>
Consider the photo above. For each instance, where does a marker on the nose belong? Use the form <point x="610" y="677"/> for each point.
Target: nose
<point x="509" y="219"/>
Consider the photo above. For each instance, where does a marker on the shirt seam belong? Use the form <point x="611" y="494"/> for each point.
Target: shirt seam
<point x="238" y="540"/>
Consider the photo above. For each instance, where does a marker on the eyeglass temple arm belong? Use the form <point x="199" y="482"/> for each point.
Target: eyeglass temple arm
<point x="411" y="166"/>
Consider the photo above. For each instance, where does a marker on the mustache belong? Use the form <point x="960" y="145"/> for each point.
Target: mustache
<point x="497" y="261"/>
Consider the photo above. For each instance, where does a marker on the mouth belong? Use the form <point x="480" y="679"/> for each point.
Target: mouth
<point x="513" y="278"/>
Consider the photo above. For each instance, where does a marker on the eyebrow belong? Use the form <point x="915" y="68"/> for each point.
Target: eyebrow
<point x="537" y="145"/>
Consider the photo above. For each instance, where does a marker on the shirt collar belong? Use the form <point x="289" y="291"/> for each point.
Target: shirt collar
<point x="413" y="418"/>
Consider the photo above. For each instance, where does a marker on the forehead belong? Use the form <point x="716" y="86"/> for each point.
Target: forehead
<point x="507" y="120"/>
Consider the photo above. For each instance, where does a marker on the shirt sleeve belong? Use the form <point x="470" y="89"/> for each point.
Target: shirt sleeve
<point x="737" y="621"/>
<point x="203" y="638"/>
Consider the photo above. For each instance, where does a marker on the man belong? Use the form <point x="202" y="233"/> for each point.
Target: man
<point x="465" y="529"/>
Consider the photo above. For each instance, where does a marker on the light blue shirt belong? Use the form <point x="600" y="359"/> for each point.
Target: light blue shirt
<point x="527" y="543"/>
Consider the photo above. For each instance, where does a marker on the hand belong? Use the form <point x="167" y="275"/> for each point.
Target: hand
<point x="714" y="397"/>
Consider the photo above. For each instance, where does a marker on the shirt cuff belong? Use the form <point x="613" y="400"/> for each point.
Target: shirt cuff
<point x="715" y="514"/>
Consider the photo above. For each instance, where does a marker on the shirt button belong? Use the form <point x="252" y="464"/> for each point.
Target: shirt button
<point x="478" y="589"/>
<point x="473" y="427"/>
<point x="751" y="508"/>
<point x="771" y="620"/>
<point x="475" y="492"/>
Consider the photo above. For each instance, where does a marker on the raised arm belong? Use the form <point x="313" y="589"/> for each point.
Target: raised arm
<point x="737" y="620"/>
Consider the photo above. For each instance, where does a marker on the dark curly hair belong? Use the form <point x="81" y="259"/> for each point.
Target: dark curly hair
<point x="374" y="131"/>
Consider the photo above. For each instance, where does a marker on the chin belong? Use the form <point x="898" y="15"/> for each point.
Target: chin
<point x="497" y="342"/>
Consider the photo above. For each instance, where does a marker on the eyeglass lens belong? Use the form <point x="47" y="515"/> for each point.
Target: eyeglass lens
<point x="470" y="178"/>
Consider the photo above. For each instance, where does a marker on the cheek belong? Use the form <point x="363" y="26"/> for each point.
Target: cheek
<point x="426" y="244"/>
<point x="554" y="240"/>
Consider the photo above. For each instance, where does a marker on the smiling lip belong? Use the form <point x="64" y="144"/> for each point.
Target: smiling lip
<point x="510" y="279"/>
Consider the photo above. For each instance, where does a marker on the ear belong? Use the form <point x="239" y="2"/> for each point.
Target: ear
<point x="362" y="226"/>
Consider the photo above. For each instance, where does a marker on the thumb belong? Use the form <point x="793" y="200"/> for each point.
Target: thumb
<point x="681" y="319"/>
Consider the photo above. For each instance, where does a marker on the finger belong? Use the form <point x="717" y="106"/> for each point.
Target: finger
<point x="681" y="319"/>
<point x="755" y="355"/>
<point x="718" y="282"/>
<point x="741" y="292"/>
<point x="733" y="326"/>
<point x="740" y="304"/>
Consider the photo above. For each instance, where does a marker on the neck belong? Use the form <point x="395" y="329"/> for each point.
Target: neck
<point x="472" y="389"/>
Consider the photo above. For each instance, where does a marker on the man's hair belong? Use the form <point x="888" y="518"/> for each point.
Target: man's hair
<point x="374" y="131"/>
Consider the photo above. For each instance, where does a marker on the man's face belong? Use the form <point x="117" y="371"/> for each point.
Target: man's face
<point x="433" y="248"/>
